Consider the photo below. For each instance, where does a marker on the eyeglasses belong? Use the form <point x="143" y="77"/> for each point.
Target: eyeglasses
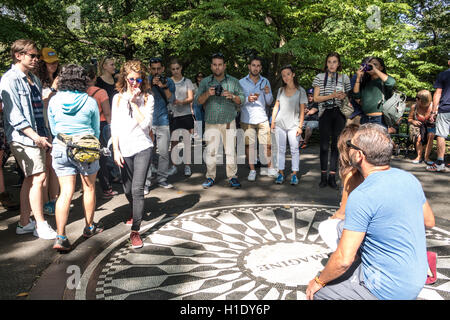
<point x="138" y="80"/>
<point x="155" y="60"/>
<point x="32" y="55"/>
<point x="352" y="146"/>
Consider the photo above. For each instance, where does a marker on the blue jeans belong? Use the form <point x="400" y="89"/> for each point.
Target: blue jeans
<point x="373" y="119"/>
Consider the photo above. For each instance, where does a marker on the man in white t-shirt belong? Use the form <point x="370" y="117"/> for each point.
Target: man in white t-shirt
<point x="254" y="119"/>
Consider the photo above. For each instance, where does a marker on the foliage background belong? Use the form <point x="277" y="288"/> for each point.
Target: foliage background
<point x="412" y="37"/>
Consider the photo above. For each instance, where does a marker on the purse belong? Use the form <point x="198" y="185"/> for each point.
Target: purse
<point x="347" y="108"/>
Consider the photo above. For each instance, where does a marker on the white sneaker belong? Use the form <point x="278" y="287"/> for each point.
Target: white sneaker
<point x="252" y="175"/>
<point x="172" y="171"/>
<point x="187" y="171"/>
<point x="30" y="227"/>
<point x="272" y="172"/>
<point x="44" y="231"/>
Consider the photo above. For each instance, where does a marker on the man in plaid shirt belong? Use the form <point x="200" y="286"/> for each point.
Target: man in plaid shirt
<point x="221" y="96"/>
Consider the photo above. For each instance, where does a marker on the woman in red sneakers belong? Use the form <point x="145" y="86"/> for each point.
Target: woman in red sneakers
<point x="132" y="115"/>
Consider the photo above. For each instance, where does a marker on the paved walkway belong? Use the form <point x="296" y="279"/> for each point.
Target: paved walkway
<point x="201" y="244"/>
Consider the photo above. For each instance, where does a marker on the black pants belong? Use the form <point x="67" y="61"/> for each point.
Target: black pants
<point x="331" y="124"/>
<point x="134" y="173"/>
<point x="104" y="176"/>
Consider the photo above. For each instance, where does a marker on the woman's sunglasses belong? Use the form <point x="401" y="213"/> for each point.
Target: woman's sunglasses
<point x="132" y="80"/>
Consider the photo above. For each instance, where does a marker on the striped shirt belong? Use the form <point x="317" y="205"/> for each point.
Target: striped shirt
<point x="38" y="109"/>
<point x="220" y="110"/>
<point x="342" y="83"/>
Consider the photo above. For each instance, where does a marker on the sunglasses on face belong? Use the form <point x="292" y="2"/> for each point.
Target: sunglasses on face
<point x="132" y="80"/>
<point x="352" y="146"/>
<point x="32" y="55"/>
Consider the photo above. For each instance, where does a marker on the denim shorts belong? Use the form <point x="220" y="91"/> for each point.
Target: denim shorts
<point x="312" y="124"/>
<point x="64" y="166"/>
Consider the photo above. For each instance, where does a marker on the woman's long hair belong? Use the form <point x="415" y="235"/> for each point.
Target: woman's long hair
<point x="333" y="54"/>
<point x="133" y="66"/>
<point x="43" y="74"/>
<point x="345" y="165"/>
<point x="284" y="84"/>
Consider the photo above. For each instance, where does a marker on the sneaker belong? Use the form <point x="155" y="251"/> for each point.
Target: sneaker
<point x="172" y="171"/>
<point x="234" y="183"/>
<point x="7" y="202"/>
<point x="49" y="208"/>
<point x="30" y="227"/>
<point x="109" y="194"/>
<point x="294" y="179"/>
<point x="44" y="231"/>
<point x="187" y="171"/>
<point x="436" y="167"/>
<point x="208" y="183"/>
<point x="272" y="172"/>
<point x="92" y="230"/>
<point x="62" y="244"/>
<point x="136" y="241"/>
<point x="252" y="175"/>
<point x="165" y="185"/>
<point x="279" y="179"/>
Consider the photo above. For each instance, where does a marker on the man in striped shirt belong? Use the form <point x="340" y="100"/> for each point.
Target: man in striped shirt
<point x="221" y="96"/>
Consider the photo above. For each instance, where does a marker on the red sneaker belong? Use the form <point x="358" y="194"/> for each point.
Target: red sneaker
<point x="136" y="241"/>
<point x="130" y="221"/>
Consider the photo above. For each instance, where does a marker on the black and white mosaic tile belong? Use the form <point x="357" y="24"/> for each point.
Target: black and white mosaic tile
<point x="252" y="252"/>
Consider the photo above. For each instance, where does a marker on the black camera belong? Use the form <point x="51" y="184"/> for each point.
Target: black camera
<point x="366" y="67"/>
<point x="218" y="89"/>
<point x="163" y="79"/>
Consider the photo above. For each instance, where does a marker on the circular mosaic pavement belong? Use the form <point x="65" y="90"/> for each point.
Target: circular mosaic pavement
<point x="240" y="252"/>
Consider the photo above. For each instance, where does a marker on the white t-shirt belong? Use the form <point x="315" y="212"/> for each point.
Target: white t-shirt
<point x="134" y="137"/>
<point x="181" y="93"/>
<point x="288" y="116"/>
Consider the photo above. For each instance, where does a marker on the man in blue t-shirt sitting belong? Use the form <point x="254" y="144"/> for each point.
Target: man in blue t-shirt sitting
<point x="382" y="249"/>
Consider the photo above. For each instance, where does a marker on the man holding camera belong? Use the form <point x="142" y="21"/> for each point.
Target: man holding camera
<point x="163" y="89"/>
<point x="254" y="119"/>
<point x="221" y="95"/>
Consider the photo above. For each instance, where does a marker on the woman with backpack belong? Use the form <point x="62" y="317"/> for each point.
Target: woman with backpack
<point x="73" y="115"/>
<point x="330" y="90"/>
<point x="288" y="114"/>
<point x="132" y="116"/>
<point x="371" y="87"/>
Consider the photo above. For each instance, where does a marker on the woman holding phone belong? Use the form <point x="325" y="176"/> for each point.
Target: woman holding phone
<point x="132" y="115"/>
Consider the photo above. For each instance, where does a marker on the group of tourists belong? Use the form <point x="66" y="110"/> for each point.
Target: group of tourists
<point x="50" y="110"/>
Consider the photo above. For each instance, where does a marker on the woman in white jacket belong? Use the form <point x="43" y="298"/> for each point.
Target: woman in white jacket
<point x="132" y="115"/>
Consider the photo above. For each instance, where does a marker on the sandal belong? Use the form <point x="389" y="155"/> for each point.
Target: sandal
<point x="303" y="146"/>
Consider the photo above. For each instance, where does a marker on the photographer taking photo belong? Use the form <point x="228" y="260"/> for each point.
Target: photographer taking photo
<point x="372" y="83"/>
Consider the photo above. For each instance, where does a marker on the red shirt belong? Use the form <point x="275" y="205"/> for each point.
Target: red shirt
<point x="100" y="96"/>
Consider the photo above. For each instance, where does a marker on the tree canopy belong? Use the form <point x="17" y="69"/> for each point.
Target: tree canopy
<point x="410" y="35"/>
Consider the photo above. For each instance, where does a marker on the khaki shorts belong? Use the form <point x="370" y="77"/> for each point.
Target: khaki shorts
<point x="263" y="130"/>
<point x="30" y="159"/>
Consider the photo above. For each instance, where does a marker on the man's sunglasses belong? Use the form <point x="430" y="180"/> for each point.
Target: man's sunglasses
<point x="32" y="55"/>
<point x="352" y="146"/>
<point x="218" y="55"/>
<point x="155" y="60"/>
<point x="138" y="80"/>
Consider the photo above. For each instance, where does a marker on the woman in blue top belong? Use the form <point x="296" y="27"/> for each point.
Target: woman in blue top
<point x="73" y="112"/>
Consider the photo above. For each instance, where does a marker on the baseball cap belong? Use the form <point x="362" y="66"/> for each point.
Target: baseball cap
<point x="310" y="91"/>
<point x="49" y="55"/>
